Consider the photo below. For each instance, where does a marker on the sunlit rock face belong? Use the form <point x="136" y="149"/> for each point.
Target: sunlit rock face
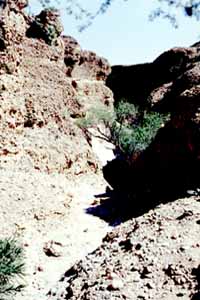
<point x="40" y="100"/>
<point x="12" y="31"/>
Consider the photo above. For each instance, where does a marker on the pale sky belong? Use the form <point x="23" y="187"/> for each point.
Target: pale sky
<point x="124" y="35"/>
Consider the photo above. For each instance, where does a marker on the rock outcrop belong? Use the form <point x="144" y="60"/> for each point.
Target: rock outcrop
<point x="46" y="26"/>
<point x="12" y="32"/>
<point x="45" y="158"/>
<point x="84" y="64"/>
<point x="169" y="85"/>
<point x="39" y="102"/>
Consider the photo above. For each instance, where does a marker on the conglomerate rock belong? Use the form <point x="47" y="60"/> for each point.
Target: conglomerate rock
<point x="39" y="103"/>
<point x="12" y="31"/>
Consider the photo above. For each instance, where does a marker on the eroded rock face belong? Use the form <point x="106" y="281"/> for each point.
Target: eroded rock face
<point x="46" y="26"/>
<point x="12" y="32"/>
<point x="72" y="53"/>
<point x="137" y="82"/>
<point x="92" y="66"/>
<point x="171" y="85"/>
<point x="82" y="64"/>
<point x="40" y="103"/>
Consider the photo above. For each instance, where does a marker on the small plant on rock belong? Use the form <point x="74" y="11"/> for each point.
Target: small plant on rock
<point x="95" y="116"/>
<point x="11" y="268"/>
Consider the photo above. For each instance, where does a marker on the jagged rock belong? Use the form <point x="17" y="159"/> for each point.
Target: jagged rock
<point x="46" y="26"/>
<point x="12" y="32"/>
<point x="170" y="85"/>
<point x="82" y="64"/>
<point x="72" y="53"/>
<point x="136" y="82"/>
<point x="92" y="67"/>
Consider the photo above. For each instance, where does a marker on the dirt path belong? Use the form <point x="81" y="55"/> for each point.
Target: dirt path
<point x="47" y="213"/>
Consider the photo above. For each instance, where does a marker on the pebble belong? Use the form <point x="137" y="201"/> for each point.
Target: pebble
<point x="52" y="248"/>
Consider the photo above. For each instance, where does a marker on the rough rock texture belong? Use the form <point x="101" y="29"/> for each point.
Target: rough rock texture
<point x="92" y="66"/>
<point x="169" y="85"/>
<point x="136" y="82"/>
<point x="45" y="159"/>
<point x="46" y="26"/>
<point x="49" y="173"/>
<point x="12" y="31"/>
<point x="155" y="256"/>
<point x="84" y="64"/>
<point x="72" y="53"/>
<point x="35" y="112"/>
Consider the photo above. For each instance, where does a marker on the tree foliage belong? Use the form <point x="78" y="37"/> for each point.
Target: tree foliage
<point x="79" y="11"/>
<point x="169" y="9"/>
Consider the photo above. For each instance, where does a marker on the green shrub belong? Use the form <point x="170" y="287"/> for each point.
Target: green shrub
<point x="96" y="115"/>
<point x="134" y="130"/>
<point x="131" y="129"/>
<point x="11" y="268"/>
<point x="126" y="113"/>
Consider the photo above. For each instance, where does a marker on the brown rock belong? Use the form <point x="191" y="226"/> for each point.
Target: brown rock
<point x="91" y="67"/>
<point x="72" y="53"/>
<point x="46" y="26"/>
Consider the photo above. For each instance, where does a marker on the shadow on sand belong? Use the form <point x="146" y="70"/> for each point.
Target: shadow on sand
<point x="116" y="207"/>
<point x="135" y="193"/>
<point x="163" y="172"/>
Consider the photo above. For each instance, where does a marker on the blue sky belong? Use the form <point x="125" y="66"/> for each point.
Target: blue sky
<point x="124" y="35"/>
